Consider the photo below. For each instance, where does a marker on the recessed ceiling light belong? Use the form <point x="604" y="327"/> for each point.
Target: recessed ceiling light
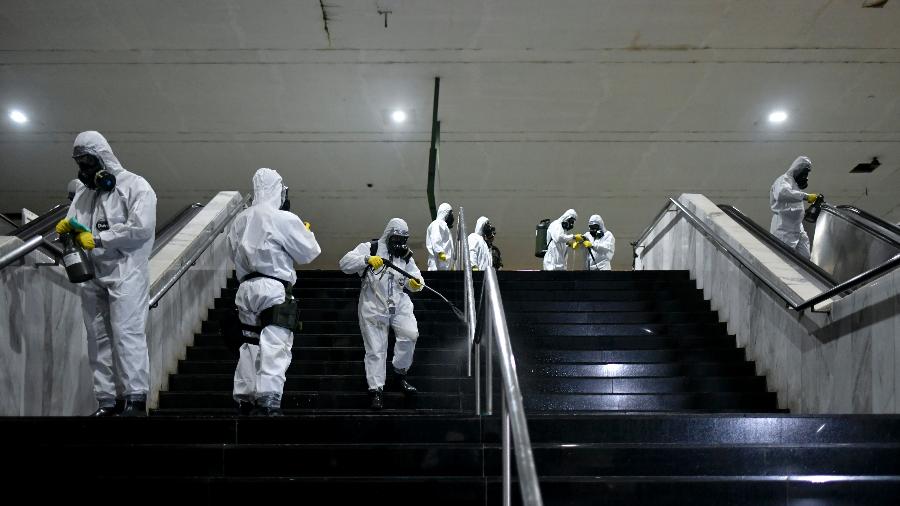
<point x="777" y="117"/>
<point x="18" y="116"/>
<point x="398" y="116"/>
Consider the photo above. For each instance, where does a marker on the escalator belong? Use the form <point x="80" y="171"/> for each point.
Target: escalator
<point x="845" y="242"/>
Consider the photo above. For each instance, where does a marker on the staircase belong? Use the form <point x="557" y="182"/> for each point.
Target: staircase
<point x="635" y="393"/>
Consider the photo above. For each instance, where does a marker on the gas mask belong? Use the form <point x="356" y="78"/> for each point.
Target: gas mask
<point x="92" y="173"/>
<point x="449" y="219"/>
<point x="802" y="177"/>
<point x="568" y="224"/>
<point x="397" y="246"/>
<point x="488" y="231"/>
<point x="285" y="201"/>
<point x="596" y="231"/>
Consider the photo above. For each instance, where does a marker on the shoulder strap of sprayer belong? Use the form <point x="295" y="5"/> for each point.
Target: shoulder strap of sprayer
<point x="373" y="247"/>
<point x="254" y="275"/>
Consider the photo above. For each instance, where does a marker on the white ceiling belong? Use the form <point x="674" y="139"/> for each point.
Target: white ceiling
<point x="604" y="106"/>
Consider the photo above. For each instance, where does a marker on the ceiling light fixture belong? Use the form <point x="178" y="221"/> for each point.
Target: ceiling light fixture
<point x="398" y="116"/>
<point x="777" y="117"/>
<point x="18" y="116"/>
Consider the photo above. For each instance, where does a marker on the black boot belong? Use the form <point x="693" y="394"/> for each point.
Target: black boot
<point x="104" y="412"/>
<point x="266" y="411"/>
<point x="377" y="397"/>
<point x="244" y="408"/>
<point x="134" y="408"/>
<point x="401" y="384"/>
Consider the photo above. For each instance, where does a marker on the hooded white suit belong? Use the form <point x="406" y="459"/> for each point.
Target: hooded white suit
<point x="383" y="303"/>
<point x="116" y="301"/>
<point x="558" y="240"/>
<point x="479" y="251"/>
<point x="438" y="239"/>
<point x="602" y="249"/>
<point x="786" y="201"/>
<point x="263" y="239"/>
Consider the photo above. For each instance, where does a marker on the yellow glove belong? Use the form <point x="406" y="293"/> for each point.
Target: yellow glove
<point x="442" y="256"/>
<point x="579" y="237"/>
<point x="574" y="244"/>
<point x="811" y="198"/>
<point x="415" y="285"/>
<point x="474" y="268"/>
<point x="308" y="226"/>
<point x="85" y="240"/>
<point x="375" y="261"/>
<point x="587" y="244"/>
<point x="63" y="227"/>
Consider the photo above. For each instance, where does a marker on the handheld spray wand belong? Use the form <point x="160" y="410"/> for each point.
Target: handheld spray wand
<point x="459" y="314"/>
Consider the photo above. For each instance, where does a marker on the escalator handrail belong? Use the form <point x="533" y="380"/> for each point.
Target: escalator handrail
<point x="849" y="285"/>
<point x="773" y="242"/>
<point x="863" y="216"/>
<point x="43" y="224"/>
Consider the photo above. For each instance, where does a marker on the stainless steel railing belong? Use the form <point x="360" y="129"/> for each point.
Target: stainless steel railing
<point x="793" y="302"/>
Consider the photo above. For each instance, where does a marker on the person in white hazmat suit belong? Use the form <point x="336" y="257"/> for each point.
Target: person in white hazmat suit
<point x="439" y="240"/>
<point x="599" y="246"/>
<point x="786" y="201"/>
<point x="479" y="252"/>
<point x="559" y="240"/>
<point x="384" y="305"/>
<point x="265" y="242"/>
<point x="113" y="217"/>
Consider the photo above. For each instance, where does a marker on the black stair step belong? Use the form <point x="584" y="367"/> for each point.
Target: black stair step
<point x="348" y="314"/>
<point x="322" y="400"/>
<point x="666" y="369"/>
<point x="727" y="354"/>
<point x="652" y="402"/>
<point x="321" y="383"/>
<point x="615" y="306"/>
<point x="214" y="338"/>
<point x="438" y="327"/>
<point x="601" y="295"/>
<point x="706" y="429"/>
<point x="674" y="275"/>
<point x="649" y="329"/>
<point x="710" y="490"/>
<point x="684" y="384"/>
<point x="301" y="352"/>
<point x="713" y="460"/>
<point x="636" y="317"/>
<point x="299" y="366"/>
<point x="341" y="304"/>
<point x="620" y="342"/>
<point x="303" y="293"/>
<point x="581" y="285"/>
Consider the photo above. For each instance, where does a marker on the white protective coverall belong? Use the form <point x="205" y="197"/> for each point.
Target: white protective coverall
<point x="438" y="239"/>
<point x="558" y="240"/>
<point x="479" y="251"/>
<point x="268" y="241"/>
<point x="116" y="301"/>
<point x="603" y="249"/>
<point x="786" y="200"/>
<point x="383" y="303"/>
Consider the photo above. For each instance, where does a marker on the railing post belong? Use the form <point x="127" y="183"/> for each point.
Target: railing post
<point x="507" y="470"/>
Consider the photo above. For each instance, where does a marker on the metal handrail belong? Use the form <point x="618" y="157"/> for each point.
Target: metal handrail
<point x="192" y="259"/>
<point x="468" y="289"/>
<point x="21" y="250"/>
<point x="802" y="305"/>
<point x="512" y="411"/>
<point x="773" y="242"/>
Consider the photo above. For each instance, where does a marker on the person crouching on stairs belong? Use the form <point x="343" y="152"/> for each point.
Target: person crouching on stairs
<point x="265" y="241"/>
<point x="384" y="305"/>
